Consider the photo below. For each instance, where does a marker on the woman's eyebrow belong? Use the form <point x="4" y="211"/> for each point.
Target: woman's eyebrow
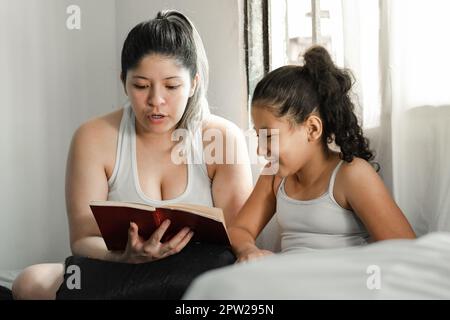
<point x="167" y="78"/>
<point x="173" y="77"/>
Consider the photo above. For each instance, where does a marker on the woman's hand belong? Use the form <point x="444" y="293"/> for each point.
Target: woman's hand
<point x="252" y="253"/>
<point x="140" y="251"/>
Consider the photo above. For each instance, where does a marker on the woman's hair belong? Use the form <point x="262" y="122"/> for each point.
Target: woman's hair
<point x="317" y="86"/>
<point x="173" y="35"/>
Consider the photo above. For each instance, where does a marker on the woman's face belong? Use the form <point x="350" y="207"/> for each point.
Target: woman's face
<point x="293" y="149"/>
<point x="158" y="89"/>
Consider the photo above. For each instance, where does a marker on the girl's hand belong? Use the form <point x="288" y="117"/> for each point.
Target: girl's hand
<point x="140" y="251"/>
<point x="253" y="253"/>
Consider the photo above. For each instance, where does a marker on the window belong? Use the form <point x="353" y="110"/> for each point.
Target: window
<point x="348" y="29"/>
<point x="295" y="25"/>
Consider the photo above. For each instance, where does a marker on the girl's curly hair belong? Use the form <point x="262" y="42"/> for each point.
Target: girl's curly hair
<point x="317" y="86"/>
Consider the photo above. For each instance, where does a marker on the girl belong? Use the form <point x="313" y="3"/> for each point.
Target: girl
<point x="127" y="156"/>
<point x="323" y="198"/>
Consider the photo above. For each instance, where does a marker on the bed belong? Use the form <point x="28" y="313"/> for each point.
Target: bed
<point x="391" y="269"/>
<point x="6" y="279"/>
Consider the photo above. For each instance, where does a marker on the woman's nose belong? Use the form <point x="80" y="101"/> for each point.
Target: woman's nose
<point x="155" y="98"/>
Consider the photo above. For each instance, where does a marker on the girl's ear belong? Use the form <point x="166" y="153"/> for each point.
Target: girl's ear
<point x="314" y="128"/>
<point x="194" y="85"/>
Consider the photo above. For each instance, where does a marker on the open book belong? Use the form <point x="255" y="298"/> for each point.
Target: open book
<point x="113" y="219"/>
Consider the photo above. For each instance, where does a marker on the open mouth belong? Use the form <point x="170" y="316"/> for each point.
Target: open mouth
<point x="157" y="116"/>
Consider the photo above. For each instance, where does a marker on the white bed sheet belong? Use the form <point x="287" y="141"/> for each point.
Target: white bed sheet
<point x="7" y="277"/>
<point x="408" y="269"/>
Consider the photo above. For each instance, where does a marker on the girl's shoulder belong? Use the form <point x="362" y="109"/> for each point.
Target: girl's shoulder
<point x="350" y="177"/>
<point x="355" y="169"/>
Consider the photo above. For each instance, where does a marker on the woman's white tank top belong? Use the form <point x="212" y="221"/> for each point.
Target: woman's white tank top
<point x="124" y="182"/>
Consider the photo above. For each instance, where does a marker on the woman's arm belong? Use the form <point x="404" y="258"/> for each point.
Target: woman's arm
<point x="86" y="180"/>
<point x="366" y="194"/>
<point x="232" y="176"/>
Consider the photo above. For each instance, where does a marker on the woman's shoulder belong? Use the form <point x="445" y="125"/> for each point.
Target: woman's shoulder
<point x="218" y="130"/>
<point x="96" y="140"/>
<point x="98" y="137"/>
<point x="214" y="122"/>
<point x="229" y="132"/>
<point x="101" y="127"/>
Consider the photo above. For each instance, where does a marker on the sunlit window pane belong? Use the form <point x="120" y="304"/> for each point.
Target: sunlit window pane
<point x="299" y="21"/>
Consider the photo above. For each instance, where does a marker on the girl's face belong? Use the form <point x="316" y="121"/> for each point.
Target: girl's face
<point x="293" y="146"/>
<point x="158" y="89"/>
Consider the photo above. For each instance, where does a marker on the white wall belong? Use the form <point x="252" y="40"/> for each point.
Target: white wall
<point x="53" y="79"/>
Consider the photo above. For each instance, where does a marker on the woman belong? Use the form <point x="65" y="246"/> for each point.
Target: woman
<point x="128" y="155"/>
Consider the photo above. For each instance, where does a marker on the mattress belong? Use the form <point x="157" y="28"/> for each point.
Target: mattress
<point x="390" y="269"/>
<point x="7" y="277"/>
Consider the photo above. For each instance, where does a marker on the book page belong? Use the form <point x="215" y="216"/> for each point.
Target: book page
<point x="208" y="212"/>
<point x="141" y="206"/>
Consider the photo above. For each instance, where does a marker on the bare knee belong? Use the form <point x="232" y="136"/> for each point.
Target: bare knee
<point x="38" y="282"/>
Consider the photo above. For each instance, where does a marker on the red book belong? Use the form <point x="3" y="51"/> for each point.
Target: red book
<point x="113" y="219"/>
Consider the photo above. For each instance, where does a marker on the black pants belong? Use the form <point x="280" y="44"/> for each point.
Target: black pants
<point x="5" y="294"/>
<point x="167" y="278"/>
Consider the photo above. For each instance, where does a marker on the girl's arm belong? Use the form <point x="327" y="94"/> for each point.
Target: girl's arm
<point x="366" y="194"/>
<point x="256" y="213"/>
<point x="232" y="185"/>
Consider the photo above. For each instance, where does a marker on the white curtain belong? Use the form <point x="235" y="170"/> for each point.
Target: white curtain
<point x="400" y="55"/>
